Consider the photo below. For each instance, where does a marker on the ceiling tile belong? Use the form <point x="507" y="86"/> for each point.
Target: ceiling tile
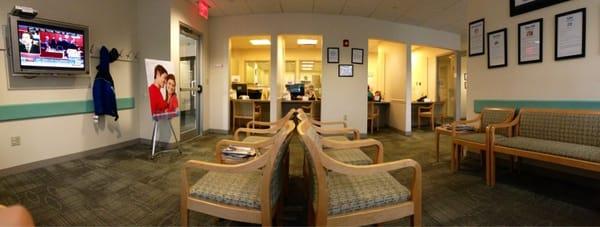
<point x="329" y="6"/>
<point x="392" y="9"/>
<point x="297" y="6"/>
<point x="264" y="6"/>
<point x="363" y="8"/>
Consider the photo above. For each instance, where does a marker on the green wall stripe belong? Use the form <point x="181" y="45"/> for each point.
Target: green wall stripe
<point x="51" y="109"/>
<point x="553" y="104"/>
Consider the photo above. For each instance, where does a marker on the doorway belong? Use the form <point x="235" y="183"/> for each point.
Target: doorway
<point x="446" y="77"/>
<point x="190" y="83"/>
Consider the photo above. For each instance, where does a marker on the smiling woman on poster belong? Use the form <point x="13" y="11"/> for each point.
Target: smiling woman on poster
<point x="171" y="95"/>
<point x="157" y="102"/>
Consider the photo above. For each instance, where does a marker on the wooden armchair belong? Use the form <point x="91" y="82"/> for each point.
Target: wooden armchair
<point x="273" y="127"/>
<point x="344" y="194"/>
<point x="251" y="192"/>
<point x="479" y="140"/>
<point x="244" y="110"/>
<point x="430" y="113"/>
<point x="373" y="115"/>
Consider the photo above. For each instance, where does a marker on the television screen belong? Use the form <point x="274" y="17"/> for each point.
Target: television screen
<point x="43" y="46"/>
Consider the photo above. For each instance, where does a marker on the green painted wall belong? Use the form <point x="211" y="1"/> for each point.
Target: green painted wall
<point x="51" y="109"/>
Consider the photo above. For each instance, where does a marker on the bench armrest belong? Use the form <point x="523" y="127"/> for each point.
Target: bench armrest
<point x="338" y="131"/>
<point x="356" y="144"/>
<point x="321" y="123"/>
<point x="455" y="123"/>
<point x="491" y="129"/>
<point x="236" y="135"/>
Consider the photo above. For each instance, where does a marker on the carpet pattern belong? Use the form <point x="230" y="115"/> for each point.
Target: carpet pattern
<point x="124" y="187"/>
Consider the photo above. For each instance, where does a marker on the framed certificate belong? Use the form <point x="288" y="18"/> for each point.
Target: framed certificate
<point x="569" y="35"/>
<point x="518" y="7"/>
<point x="530" y="40"/>
<point x="346" y="70"/>
<point x="497" y="52"/>
<point x="357" y="56"/>
<point x="476" y="42"/>
<point x="333" y="55"/>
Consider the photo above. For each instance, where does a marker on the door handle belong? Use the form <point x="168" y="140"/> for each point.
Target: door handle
<point x="192" y="85"/>
<point x="199" y="89"/>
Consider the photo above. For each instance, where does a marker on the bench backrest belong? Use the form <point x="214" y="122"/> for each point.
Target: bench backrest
<point x="570" y="126"/>
<point x="495" y="116"/>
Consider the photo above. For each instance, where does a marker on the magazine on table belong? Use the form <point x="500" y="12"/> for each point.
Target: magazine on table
<point x="460" y="127"/>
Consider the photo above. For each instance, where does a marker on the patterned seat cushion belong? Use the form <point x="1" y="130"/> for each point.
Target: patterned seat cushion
<point x="575" y="128"/>
<point x="349" y="156"/>
<point x="235" y="189"/>
<point x="571" y="150"/>
<point x="353" y="193"/>
<point x="477" y="137"/>
<point x="255" y="138"/>
<point x="492" y="116"/>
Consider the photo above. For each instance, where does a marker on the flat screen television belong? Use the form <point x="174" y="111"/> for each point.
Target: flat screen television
<point x="295" y="90"/>
<point x="39" y="46"/>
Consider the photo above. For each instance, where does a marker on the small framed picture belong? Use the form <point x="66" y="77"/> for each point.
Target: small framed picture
<point x="357" y="55"/>
<point x="531" y="41"/>
<point x="497" y="51"/>
<point x="569" y="35"/>
<point x="333" y="55"/>
<point x="346" y="70"/>
<point x="518" y="7"/>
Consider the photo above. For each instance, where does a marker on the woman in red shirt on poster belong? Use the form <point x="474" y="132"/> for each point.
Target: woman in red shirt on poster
<point x="157" y="102"/>
<point x="171" y="95"/>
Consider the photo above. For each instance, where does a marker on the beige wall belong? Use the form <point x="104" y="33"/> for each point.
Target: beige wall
<point x="46" y="138"/>
<point x="575" y="79"/>
<point x="337" y="91"/>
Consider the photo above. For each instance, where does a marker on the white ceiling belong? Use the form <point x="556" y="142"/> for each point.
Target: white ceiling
<point x="445" y="15"/>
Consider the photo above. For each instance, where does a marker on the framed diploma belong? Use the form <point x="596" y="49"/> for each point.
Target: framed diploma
<point x="497" y="52"/>
<point x="345" y="70"/>
<point x="530" y="40"/>
<point x="333" y="55"/>
<point x="476" y="33"/>
<point x="518" y="7"/>
<point x="357" y="55"/>
<point x="569" y="35"/>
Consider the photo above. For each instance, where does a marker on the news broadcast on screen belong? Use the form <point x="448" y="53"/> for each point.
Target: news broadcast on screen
<point x="49" y="46"/>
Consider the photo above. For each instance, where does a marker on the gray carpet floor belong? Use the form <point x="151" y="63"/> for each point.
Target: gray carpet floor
<point x="124" y="187"/>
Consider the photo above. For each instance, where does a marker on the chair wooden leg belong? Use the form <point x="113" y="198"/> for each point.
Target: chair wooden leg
<point x="432" y="123"/>
<point x="419" y="122"/>
<point x="453" y="158"/>
<point x="492" y="181"/>
<point x="415" y="220"/>
<point x="184" y="214"/>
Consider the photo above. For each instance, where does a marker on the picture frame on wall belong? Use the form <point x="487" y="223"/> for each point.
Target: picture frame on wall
<point x="569" y="34"/>
<point x="333" y="55"/>
<point x="518" y="7"/>
<point x="531" y="41"/>
<point x="476" y="38"/>
<point x="497" y="50"/>
<point x="357" y="55"/>
<point x="345" y="70"/>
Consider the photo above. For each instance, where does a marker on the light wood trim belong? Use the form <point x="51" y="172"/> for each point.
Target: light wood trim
<point x="244" y="167"/>
<point x="561" y="160"/>
<point x="225" y="211"/>
<point x="338" y="131"/>
<point x="248" y="132"/>
<point x="361" y="170"/>
<point x="322" y="123"/>
<point x="356" y="144"/>
<point x="373" y="216"/>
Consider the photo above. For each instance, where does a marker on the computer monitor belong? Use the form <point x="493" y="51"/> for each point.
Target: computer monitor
<point x="255" y="93"/>
<point x="240" y="89"/>
<point x="295" y="90"/>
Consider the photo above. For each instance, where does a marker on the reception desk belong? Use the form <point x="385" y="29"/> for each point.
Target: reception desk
<point x="287" y="105"/>
<point x="384" y="113"/>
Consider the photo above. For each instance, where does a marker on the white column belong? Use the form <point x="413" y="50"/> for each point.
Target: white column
<point x="457" y="85"/>
<point x="277" y="69"/>
<point x="408" y="91"/>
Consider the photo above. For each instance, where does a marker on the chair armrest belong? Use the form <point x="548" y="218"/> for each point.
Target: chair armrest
<point x="255" y="145"/>
<point x="491" y="129"/>
<point x="338" y="131"/>
<point x="251" y="165"/>
<point x="261" y="123"/>
<point x="321" y="123"/>
<point x="356" y="144"/>
<point x="455" y="123"/>
<point x="236" y="135"/>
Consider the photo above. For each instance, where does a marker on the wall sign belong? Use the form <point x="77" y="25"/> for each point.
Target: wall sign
<point x="531" y="41"/>
<point x="203" y="9"/>
<point x="345" y="70"/>
<point x="518" y="7"/>
<point x="476" y="40"/>
<point x="357" y="55"/>
<point x="497" y="52"/>
<point x="333" y="55"/>
<point x="569" y="35"/>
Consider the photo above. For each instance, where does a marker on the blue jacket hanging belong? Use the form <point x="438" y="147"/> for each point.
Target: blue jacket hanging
<point x="105" y="99"/>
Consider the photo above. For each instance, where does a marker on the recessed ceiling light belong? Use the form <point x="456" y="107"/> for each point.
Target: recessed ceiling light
<point x="307" y="65"/>
<point x="307" y="42"/>
<point x="260" y="42"/>
<point x="307" y="69"/>
<point x="307" y="62"/>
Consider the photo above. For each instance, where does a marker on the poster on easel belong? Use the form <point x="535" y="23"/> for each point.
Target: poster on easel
<point x="162" y="89"/>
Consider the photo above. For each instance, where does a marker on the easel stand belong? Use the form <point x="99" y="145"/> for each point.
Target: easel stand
<point x="155" y="133"/>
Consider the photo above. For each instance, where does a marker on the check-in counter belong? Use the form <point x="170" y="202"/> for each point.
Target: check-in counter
<point x="384" y="113"/>
<point x="287" y="105"/>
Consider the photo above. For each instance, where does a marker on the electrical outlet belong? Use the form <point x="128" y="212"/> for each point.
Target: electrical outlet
<point x="345" y="117"/>
<point x="15" y="141"/>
